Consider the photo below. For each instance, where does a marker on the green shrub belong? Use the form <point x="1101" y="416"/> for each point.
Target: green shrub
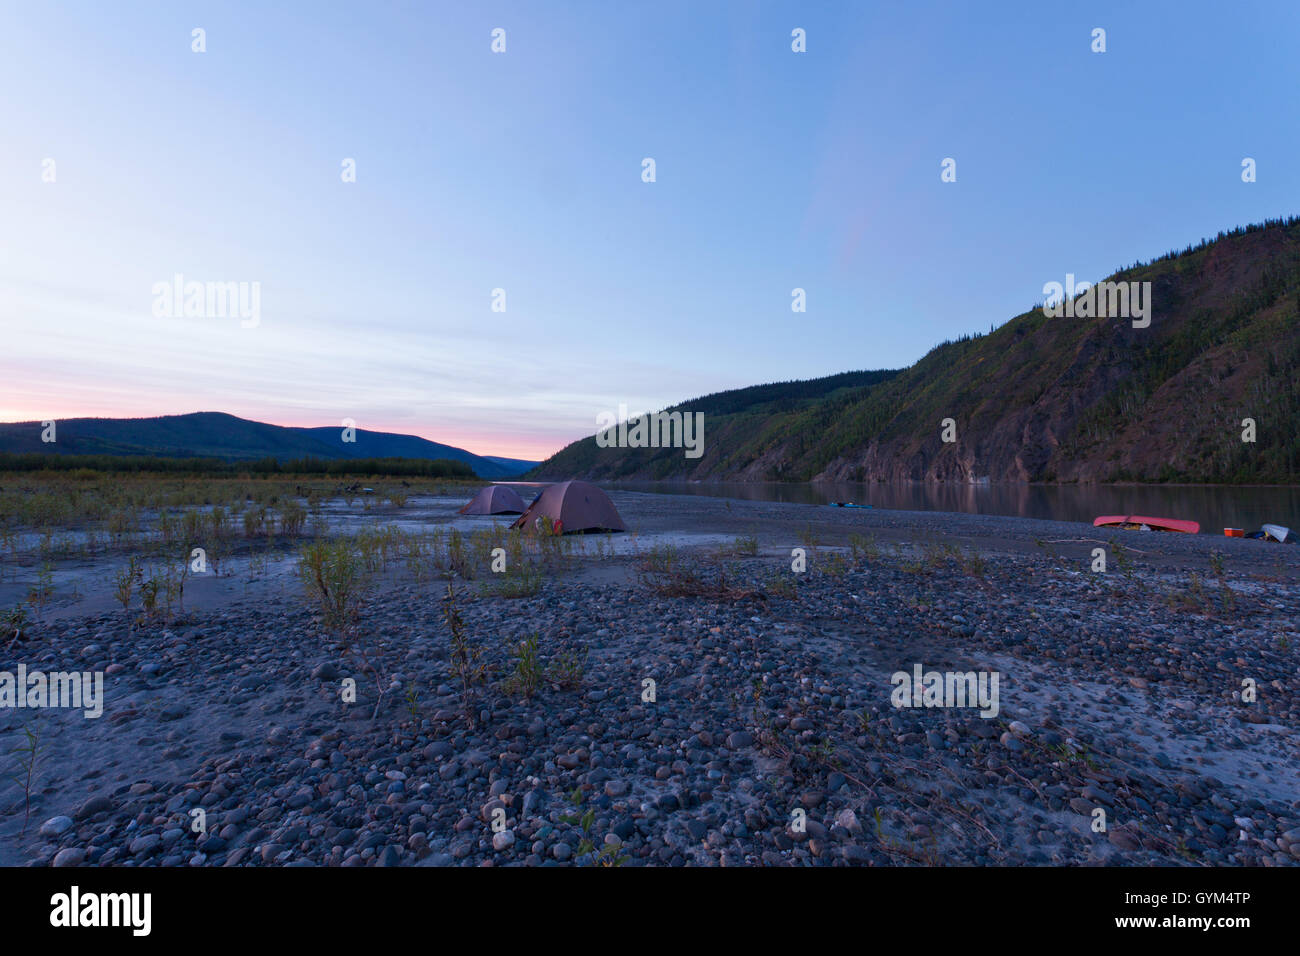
<point x="527" y="675"/>
<point x="335" y="577"/>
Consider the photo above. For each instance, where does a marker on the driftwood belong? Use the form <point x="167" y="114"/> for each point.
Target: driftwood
<point x="1093" y="540"/>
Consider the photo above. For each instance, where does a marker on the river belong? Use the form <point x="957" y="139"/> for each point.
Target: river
<point x="1215" y="506"/>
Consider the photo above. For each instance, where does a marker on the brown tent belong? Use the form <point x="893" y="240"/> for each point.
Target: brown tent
<point x="573" y="506"/>
<point x="495" y="500"/>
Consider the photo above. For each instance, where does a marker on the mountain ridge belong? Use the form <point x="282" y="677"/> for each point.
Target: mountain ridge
<point x="230" y="438"/>
<point x="1039" y="399"/>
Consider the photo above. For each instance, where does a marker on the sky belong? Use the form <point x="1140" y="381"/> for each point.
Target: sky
<point x="522" y="171"/>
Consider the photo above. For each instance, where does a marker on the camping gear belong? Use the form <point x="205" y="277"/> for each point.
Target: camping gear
<point x="573" y="506"/>
<point x="1144" y="523"/>
<point x="1273" y="532"/>
<point x="1234" y="532"/>
<point x="495" y="500"/>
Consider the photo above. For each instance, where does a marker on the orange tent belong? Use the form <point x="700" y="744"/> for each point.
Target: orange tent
<point x="573" y="506"/>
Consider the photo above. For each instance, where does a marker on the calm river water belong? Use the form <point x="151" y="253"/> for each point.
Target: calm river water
<point x="1215" y="506"/>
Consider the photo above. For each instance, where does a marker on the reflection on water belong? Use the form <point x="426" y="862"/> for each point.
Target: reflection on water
<point x="1215" y="506"/>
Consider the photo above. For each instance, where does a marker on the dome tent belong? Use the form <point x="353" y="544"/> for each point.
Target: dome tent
<point x="495" y="500"/>
<point x="574" y="506"/>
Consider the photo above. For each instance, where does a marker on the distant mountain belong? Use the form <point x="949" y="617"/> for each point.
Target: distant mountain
<point x="217" y="435"/>
<point x="1039" y="399"/>
<point x="517" y="466"/>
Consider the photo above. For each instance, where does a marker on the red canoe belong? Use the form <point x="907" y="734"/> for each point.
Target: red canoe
<point x="1144" y="523"/>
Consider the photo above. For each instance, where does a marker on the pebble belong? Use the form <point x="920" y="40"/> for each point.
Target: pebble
<point x="55" y="826"/>
<point x="69" y="856"/>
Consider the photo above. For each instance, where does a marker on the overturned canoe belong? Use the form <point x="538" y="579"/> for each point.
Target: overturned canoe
<point x="1275" y="532"/>
<point x="1147" y="523"/>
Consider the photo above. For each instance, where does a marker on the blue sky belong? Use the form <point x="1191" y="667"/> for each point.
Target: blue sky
<point x="522" y="171"/>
